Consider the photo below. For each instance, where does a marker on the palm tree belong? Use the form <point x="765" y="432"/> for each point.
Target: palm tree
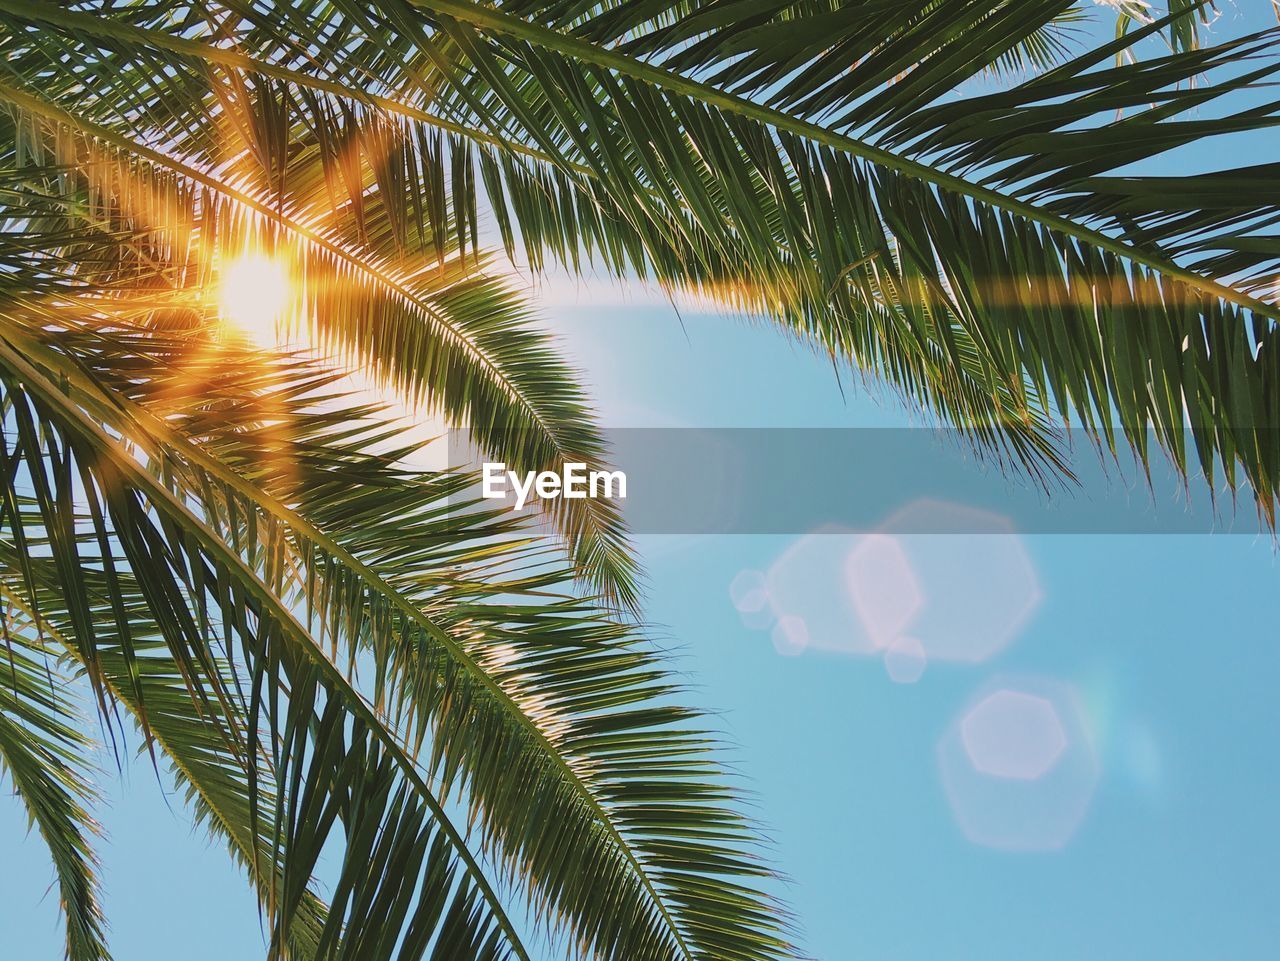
<point x="225" y="546"/>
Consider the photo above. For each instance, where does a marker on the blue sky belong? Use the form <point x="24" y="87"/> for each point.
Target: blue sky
<point x="1165" y="646"/>
<point x="1158" y="652"/>
<point x="1156" y="655"/>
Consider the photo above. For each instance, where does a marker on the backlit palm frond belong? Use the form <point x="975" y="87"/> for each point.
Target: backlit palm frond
<point x="1042" y="141"/>
<point x="557" y="207"/>
<point x="328" y="644"/>
<point x="589" y="792"/>
<point x="1065" y="314"/>
<point x="382" y="257"/>
<point x="788" y="51"/>
<point x="44" y="757"/>
<point x="343" y="765"/>
<point x="809" y="56"/>
<point x="999" y="305"/>
<point x="137" y="671"/>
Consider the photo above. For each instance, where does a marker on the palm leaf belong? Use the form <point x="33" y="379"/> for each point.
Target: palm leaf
<point x="449" y="339"/>
<point x="863" y="240"/>
<point x="561" y="208"/>
<point x="343" y="762"/>
<point x="986" y="253"/>
<point x="539" y="701"/>
<point x="43" y="755"/>
<point x="207" y="758"/>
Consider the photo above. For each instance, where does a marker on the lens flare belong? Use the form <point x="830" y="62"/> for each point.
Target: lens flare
<point x="1018" y="765"/>
<point x="253" y="295"/>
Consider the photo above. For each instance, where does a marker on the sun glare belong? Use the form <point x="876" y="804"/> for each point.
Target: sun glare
<point x="254" y="293"/>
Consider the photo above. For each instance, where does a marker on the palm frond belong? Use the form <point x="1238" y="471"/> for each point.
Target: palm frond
<point x="860" y="234"/>
<point x="544" y="714"/>
<point x="362" y="214"/>
<point x="344" y="765"/>
<point x="989" y="252"/>
<point x="44" y="756"/>
<point x="207" y="758"/>
<point x="562" y="208"/>
<point x="1065" y="315"/>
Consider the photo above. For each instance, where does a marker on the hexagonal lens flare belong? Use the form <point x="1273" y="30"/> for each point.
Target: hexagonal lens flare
<point x="955" y="580"/>
<point x="748" y="592"/>
<point x="973" y="583"/>
<point x="883" y="587"/>
<point x="807" y="582"/>
<point x="1013" y="735"/>
<point x="750" y="597"/>
<point x="1018" y="766"/>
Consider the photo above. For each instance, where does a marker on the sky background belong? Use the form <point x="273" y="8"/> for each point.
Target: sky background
<point x="1097" y="780"/>
<point x="1157" y="655"/>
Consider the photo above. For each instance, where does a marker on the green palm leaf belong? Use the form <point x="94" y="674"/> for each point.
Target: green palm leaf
<point x="996" y="304"/>
<point x="207" y="758"/>
<point x="450" y="339"/>
<point x="43" y="755"/>
<point x="326" y="740"/>
<point x="541" y="713"/>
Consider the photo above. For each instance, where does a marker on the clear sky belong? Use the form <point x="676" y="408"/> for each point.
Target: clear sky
<point x="1156" y="654"/>
<point x="1097" y="781"/>
<point x="1152" y="835"/>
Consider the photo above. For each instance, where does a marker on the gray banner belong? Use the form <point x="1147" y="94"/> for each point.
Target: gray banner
<point x="797" y="480"/>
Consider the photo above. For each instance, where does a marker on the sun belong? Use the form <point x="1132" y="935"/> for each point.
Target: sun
<point x="254" y="292"/>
